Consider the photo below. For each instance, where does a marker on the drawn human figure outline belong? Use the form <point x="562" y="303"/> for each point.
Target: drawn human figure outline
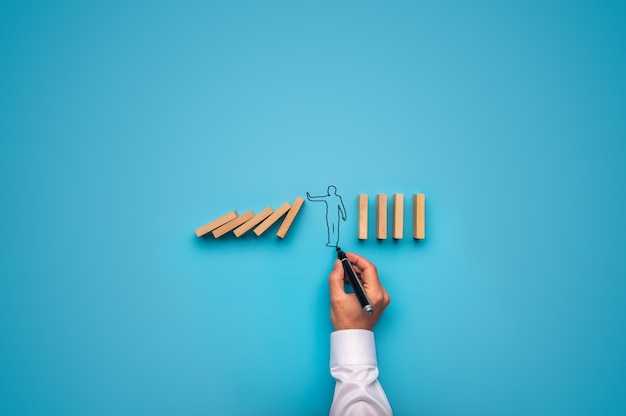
<point x="334" y="211"/>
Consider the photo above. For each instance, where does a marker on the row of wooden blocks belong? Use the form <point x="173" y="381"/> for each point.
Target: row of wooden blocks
<point x="241" y="224"/>
<point x="419" y="210"/>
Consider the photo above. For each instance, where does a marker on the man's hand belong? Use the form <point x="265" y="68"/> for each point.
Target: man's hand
<point x="345" y="310"/>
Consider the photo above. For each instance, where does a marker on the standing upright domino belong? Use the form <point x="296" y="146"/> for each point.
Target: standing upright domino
<point x="363" y="217"/>
<point x="381" y="216"/>
<point x="419" y="213"/>
<point x="398" y="216"/>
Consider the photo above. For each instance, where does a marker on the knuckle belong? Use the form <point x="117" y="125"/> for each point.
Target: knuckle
<point x="377" y="298"/>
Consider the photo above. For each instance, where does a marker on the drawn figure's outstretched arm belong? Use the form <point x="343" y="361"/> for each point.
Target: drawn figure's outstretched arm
<point x="315" y="198"/>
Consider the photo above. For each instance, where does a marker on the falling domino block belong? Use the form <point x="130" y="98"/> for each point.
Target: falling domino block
<point x="272" y="219"/>
<point x="419" y="211"/>
<point x="381" y="216"/>
<point x="250" y="224"/>
<point x="363" y="217"/>
<point x="398" y="215"/>
<point x="231" y="225"/>
<point x="291" y="215"/>
<point x="205" y="229"/>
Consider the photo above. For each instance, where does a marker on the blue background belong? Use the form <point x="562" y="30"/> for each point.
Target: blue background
<point x="126" y="125"/>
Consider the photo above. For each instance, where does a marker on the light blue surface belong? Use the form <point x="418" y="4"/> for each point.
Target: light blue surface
<point x="126" y="126"/>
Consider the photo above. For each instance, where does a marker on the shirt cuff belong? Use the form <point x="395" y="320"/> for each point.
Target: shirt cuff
<point x="352" y="347"/>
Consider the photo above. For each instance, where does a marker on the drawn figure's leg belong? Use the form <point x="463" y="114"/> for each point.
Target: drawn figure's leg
<point x="328" y="233"/>
<point x="334" y="233"/>
<point x="331" y="235"/>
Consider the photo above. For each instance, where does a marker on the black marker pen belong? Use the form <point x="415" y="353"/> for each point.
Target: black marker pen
<point x="355" y="282"/>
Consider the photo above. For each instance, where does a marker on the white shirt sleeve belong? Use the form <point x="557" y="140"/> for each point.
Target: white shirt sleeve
<point x="354" y="366"/>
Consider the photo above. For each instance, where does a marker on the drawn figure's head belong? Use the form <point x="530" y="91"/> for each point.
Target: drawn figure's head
<point x="332" y="189"/>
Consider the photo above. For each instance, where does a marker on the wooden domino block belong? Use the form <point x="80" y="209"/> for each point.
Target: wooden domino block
<point x="272" y="219"/>
<point x="250" y="224"/>
<point x="381" y="216"/>
<point x="205" y="229"/>
<point x="291" y="215"/>
<point x="231" y="225"/>
<point x="398" y="216"/>
<point x="419" y="215"/>
<point x="363" y="216"/>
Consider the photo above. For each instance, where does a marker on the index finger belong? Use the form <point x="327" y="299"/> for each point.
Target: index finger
<point x="364" y="267"/>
